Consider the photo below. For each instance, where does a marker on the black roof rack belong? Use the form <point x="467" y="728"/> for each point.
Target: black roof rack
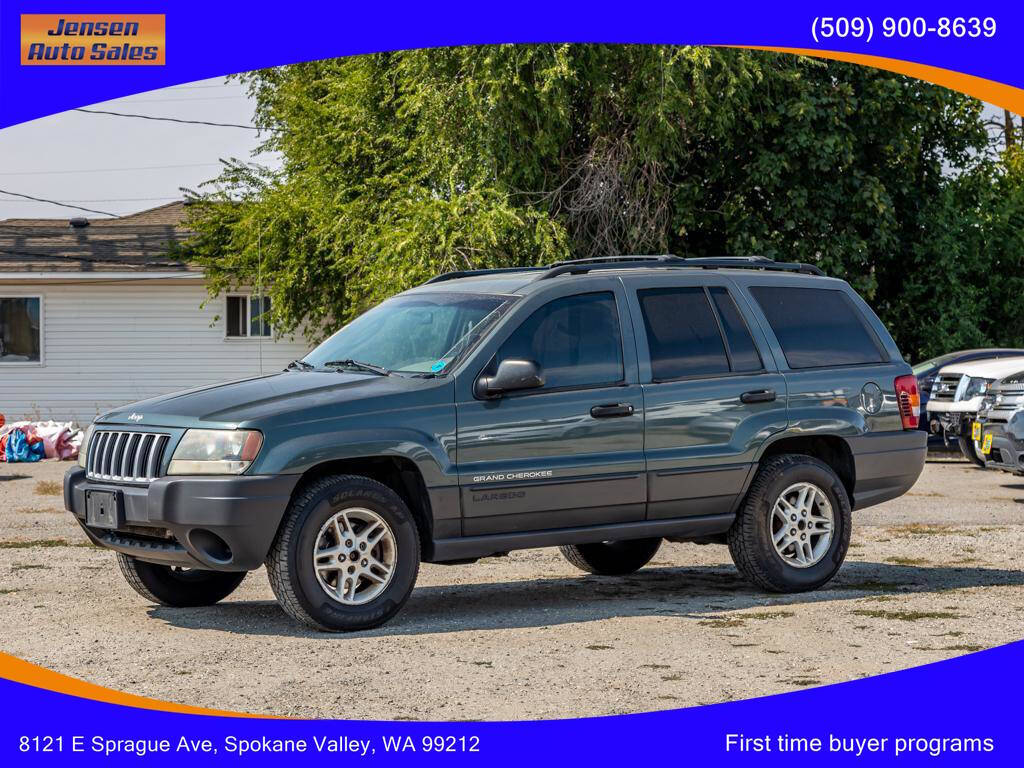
<point x="583" y="266"/>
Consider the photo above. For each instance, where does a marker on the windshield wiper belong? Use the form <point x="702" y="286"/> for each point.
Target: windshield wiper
<point x="359" y="365"/>
<point x="301" y="364"/>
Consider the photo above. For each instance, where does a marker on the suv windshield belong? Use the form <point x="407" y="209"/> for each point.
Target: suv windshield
<point x="418" y="333"/>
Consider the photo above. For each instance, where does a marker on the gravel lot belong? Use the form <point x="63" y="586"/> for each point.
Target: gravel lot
<point x="932" y="575"/>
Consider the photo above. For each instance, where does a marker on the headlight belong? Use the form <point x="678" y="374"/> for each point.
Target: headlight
<point x="83" y="449"/>
<point x="215" y="452"/>
<point x="975" y="387"/>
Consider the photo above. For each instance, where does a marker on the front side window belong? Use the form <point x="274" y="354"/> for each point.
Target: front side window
<point x="575" y="340"/>
<point x="413" y="333"/>
<point x="818" y="327"/>
<point x="20" y="339"/>
<point x="248" y="316"/>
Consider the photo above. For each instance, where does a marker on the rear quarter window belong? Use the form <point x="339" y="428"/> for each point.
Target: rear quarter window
<point x="818" y="327"/>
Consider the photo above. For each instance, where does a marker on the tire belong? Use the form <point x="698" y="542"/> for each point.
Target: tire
<point x="178" y="587"/>
<point x="611" y="558"/>
<point x="302" y="589"/>
<point x="751" y="536"/>
<point x="969" y="452"/>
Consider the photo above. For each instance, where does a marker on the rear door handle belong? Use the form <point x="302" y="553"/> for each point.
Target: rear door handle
<point x="614" y="410"/>
<point x="758" y="396"/>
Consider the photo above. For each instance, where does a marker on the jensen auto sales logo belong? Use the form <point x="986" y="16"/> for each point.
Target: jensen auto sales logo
<point x="112" y="39"/>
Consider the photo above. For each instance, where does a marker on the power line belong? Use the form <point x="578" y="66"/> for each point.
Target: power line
<point x="99" y="200"/>
<point x="55" y="202"/>
<point x="167" y="119"/>
<point x="106" y="170"/>
<point x="166" y="101"/>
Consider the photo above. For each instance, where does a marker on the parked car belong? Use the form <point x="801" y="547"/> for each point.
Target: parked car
<point x="927" y="370"/>
<point x="999" y="433"/>
<point x="957" y="395"/>
<point x="599" y="406"/>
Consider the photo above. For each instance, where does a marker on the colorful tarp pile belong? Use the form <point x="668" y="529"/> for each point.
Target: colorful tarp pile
<point x="35" y="440"/>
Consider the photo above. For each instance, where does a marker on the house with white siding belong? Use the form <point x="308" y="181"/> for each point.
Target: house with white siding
<point x="95" y="313"/>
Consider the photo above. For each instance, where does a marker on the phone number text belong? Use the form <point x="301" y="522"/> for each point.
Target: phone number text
<point x="863" y="27"/>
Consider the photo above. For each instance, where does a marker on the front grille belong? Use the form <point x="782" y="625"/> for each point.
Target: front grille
<point x="127" y="457"/>
<point x="944" y="387"/>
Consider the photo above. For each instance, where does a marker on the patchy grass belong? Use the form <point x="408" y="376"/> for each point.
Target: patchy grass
<point x="7" y="591"/>
<point x="908" y="560"/>
<point x="29" y="566"/>
<point x="654" y="666"/>
<point x="488" y="664"/>
<point x="911" y="530"/>
<point x="766" y="615"/>
<point x="803" y="681"/>
<point x="880" y="599"/>
<point x="906" y="615"/>
<point x="673" y="677"/>
<point x="39" y="511"/>
<point x="599" y="647"/>
<point x="970" y="647"/>
<point x="722" y="623"/>
<point x="43" y="543"/>
<point x="49" y="488"/>
<point x="744" y="645"/>
<point x="871" y="586"/>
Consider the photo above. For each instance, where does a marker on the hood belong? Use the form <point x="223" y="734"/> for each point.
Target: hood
<point x="248" y="401"/>
<point x="986" y="369"/>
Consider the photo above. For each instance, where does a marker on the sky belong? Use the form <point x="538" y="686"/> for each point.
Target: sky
<point x="121" y="165"/>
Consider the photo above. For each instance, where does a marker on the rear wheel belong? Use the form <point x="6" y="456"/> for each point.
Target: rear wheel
<point x="178" y="587"/>
<point x="611" y="558"/>
<point x="969" y="452"/>
<point x="793" y="530"/>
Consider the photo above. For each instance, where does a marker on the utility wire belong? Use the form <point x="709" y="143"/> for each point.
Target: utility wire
<point x="166" y="119"/>
<point x="106" y="170"/>
<point x="101" y="200"/>
<point x="56" y="202"/>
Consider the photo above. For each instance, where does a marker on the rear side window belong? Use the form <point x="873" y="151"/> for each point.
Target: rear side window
<point x="818" y="327"/>
<point x="682" y="333"/>
<point x="742" y="351"/>
<point x="575" y="341"/>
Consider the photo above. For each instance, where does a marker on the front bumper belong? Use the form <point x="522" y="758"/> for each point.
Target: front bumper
<point x="216" y="523"/>
<point x="1006" y="452"/>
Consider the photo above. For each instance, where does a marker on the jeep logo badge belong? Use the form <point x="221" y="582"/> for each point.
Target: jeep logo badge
<point x="135" y="417"/>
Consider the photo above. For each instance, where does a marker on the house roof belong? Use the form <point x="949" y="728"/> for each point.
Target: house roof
<point x="139" y="242"/>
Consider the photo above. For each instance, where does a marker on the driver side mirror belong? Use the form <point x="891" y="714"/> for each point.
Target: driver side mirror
<point x="511" y="376"/>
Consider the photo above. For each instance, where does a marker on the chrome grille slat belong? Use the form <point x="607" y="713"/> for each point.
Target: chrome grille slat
<point x="124" y="456"/>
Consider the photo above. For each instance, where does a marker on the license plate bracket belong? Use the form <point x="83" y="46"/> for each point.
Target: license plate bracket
<point x="103" y="509"/>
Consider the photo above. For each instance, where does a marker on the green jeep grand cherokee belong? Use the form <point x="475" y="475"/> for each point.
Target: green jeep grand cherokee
<point x="599" y="406"/>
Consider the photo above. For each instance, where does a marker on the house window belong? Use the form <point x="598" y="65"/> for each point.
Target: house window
<point x="247" y="316"/>
<point x="20" y="329"/>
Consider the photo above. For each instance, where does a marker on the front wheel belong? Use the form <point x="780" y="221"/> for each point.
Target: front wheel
<point x="346" y="555"/>
<point x="793" y="529"/>
<point x="611" y="558"/>
<point x="968" y="450"/>
<point x="178" y="587"/>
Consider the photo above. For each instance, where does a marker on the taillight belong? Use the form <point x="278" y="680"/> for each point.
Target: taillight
<point x="909" y="400"/>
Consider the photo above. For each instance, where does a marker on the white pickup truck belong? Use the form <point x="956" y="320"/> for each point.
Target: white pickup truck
<point x="958" y="392"/>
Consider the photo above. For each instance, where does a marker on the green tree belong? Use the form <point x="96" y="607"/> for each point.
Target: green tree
<point x="401" y="165"/>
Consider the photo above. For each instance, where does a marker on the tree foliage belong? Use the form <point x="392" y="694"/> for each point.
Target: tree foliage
<point x="398" y="166"/>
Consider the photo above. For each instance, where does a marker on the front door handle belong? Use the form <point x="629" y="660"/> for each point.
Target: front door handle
<point x="612" y="411"/>
<point x="758" y="396"/>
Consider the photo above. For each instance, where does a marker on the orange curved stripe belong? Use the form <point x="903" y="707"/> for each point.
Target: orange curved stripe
<point x="1000" y="94"/>
<point x="13" y="668"/>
